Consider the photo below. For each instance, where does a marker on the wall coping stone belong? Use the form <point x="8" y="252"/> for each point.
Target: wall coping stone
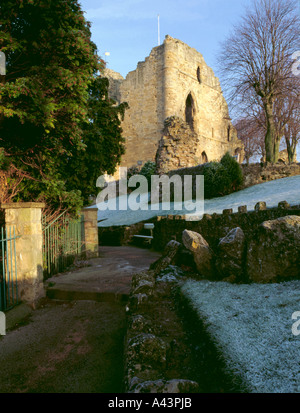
<point x="227" y="211"/>
<point x="15" y="205"/>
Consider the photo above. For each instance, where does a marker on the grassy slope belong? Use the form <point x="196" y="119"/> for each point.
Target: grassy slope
<point x="252" y="326"/>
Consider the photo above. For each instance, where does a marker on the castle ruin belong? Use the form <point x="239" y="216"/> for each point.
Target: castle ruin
<point x="174" y="82"/>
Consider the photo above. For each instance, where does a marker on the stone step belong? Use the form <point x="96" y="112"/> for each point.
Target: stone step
<point x="72" y="294"/>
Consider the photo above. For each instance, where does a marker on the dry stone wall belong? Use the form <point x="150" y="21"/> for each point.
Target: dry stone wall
<point x="258" y="173"/>
<point x="216" y="226"/>
<point x="158" y="358"/>
<point x="211" y="227"/>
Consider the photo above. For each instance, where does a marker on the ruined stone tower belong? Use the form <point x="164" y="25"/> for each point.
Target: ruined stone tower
<point x="174" y="81"/>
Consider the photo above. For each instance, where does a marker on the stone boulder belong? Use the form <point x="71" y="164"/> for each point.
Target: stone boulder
<point x="139" y="324"/>
<point x="229" y="262"/>
<point x="201" y="251"/>
<point x="185" y="259"/>
<point x="142" y="285"/>
<point x="169" y="386"/>
<point x="147" y="349"/>
<point x="168" y="257"/>
<point x="274" y="251"/>
<point x="260" y="206"/>
<point x="142" y="277"/>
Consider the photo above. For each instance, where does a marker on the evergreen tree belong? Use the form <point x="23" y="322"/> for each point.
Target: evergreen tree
<point x="103" y="139"/>
<point x="46" y="124"/>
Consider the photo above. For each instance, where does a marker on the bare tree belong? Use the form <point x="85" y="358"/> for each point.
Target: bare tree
<point x="252" y="135"/>
<point x="251" y="128"/>
<point x="256" y="62"/>
<point x="292" y="127"/>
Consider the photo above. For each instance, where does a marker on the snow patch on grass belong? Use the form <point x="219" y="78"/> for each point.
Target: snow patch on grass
<point x="251" y="325"/>
<point x="285" y="189"/>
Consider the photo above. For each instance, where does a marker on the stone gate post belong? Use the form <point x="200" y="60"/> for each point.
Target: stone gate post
<point x="91" y="245"/>
<point x="26" y="218"/>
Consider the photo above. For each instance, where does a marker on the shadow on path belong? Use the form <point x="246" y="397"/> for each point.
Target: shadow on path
<point x="74" y="344"/>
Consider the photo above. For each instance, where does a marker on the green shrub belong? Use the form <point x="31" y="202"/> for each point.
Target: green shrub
<point x="215" y="180"/>
<point x="148" y="170"/>
<point x="134" y="170"/>
<point x="222" y="178"/>
<point x="234" y="171"/>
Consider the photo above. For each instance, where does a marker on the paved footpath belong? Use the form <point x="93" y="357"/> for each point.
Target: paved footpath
<point x="73" y="343"/>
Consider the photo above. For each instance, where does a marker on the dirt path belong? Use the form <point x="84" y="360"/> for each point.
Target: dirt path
<point x="75" y="346"/>
<point x="71" y="347"/>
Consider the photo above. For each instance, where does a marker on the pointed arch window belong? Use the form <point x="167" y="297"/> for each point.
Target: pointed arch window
<point x="228" y="133"/>
<point x="204" y="157"/>
<point x="190" y="110"/>
<point x="199" y="74"/>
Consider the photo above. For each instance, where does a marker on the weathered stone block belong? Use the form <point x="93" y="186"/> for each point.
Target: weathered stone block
<point x="283" y="205"/>
<point x="168" y="257"/>
<point x="202" y="253"/>
<point x="242" y="209"/>
<point x="144" y="287"/>
<point x="229" y="262"/>
<point x="260" y="206"/>
<point x="147" y="349"/>
<point x="167" y="386"/>
<point x="139" y="324"/>
<point x="139" y="277"/>
<point x="91" y="247"/>
<point x="26" y="219"/>
<point x="274" y="252"/>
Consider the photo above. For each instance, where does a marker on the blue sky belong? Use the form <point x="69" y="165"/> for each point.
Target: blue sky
<point x="127" y="29"/>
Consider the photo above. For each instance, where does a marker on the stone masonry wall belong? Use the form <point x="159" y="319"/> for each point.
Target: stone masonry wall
<point x="212" y="227"/>
<point x="174" y="80"/>
<point x="187" y="75"/>
<point x="259" y="173"/>
<point x="178" y="147"/>
<point x="115" y="80"/>
<point x="143" y="91"/>
<point x="216" y="226"/>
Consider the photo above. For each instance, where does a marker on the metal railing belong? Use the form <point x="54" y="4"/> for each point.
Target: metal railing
<point x="8" y="269"/>
<point x="63" y="239"/>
